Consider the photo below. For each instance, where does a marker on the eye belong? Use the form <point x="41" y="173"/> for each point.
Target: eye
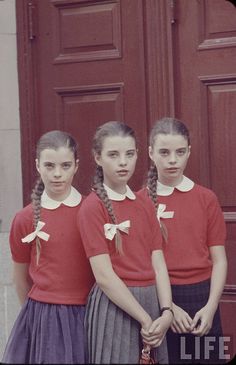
<point x="49" y="165"/>
<point x="163" y="152"/>
<point x="112" y="154"/>
<point x="66" y="165"/>
<point x="130" y="154"/>
<point x="181" y="151"/>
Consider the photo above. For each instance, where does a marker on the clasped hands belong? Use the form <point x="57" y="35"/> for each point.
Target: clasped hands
<point x="154" y="332"/>
<point x="199" y="325"/>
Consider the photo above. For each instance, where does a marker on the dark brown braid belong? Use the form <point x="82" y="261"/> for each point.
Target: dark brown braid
<point x="99" y="189"/>
<point x="36" y="203"/>
<point x="152" y="184"/>
<point x="50" y="140"/>
<point x="152" y="192"/>
<point x="112" y="128"/>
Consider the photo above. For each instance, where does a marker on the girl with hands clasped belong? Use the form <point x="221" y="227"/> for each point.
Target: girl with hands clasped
<point x="123" y="241"/>
<point x="52" y="274"/>
<point x="192" y="222"/>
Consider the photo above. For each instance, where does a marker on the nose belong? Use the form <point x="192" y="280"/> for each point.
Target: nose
<point x="123" y="161"/>
<point x="57" y="172"/>
<point x="172" y="158"/>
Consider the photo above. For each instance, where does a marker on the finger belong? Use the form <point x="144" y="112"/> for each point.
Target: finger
<point x="177" y="327"/>
<point x="201" y="329"/>
<point x="154" y="326"/>
<point x="187" y="324"/>
<point x="196" y="321"/>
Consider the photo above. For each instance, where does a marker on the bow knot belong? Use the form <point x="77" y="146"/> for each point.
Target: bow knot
<point x="37" y="233"/>
<point x="162" y="214"/>
<point x="111" y="229"/>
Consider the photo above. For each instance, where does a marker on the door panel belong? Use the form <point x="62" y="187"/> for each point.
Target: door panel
<point x="205" y="98"/>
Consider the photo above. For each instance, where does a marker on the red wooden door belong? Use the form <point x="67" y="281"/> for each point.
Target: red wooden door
<point x="204" y="59"/>
<point x="87" y="62"/>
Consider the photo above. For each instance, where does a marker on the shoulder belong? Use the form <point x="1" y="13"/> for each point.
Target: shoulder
<point x="205" y="192"/>
<point x="92" y="201"/>
<point x="143" y="199"/>
<point x="142" y="192"/>
<point x="22" y="223"/>
<point x="25" y="214"/>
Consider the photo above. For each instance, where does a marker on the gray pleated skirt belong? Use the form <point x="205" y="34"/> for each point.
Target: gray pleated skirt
<point x="47" y="334"/>
<point x="113" y="337"/>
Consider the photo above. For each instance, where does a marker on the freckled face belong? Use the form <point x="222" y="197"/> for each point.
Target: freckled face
<point x="57" y="169"/>
<point x="170" y="154"/>
<point x="117" y="159"/>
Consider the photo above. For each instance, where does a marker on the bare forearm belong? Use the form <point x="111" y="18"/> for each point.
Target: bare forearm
<point x="22" y="292"/>
<point x="22" y="280"/>
<point x="119" y="294"/>
<point x="162" y="279"/>
<point x="218" y="275"/>
<point x="116" y="290"/>
<point x="218" y="278"/>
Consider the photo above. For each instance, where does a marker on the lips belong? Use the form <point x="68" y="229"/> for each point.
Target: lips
<point x="172" y="169"/>
<point x="122" y="172"/>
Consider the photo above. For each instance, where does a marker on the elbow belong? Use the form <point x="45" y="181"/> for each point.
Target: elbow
<point x="103" y="279"/>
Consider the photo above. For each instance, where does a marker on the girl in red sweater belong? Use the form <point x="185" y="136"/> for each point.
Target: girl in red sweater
<point x="51" y="272"/>
<point x="193" y="224"/>
<point x="122" y="239"/>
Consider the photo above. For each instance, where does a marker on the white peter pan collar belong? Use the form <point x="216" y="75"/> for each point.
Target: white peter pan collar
<point x="73" y="199"/>
<point x="113" y="195"/>
<point x="165" y="190"/>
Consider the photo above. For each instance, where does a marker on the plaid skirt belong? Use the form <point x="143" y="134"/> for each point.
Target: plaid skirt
<point x="47" y="334"/>
<point x="113" y="337"/>
<point x="188" y="348"/>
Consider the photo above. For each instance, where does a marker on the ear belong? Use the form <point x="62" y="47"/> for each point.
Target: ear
<point x="97" y="158"/>
<point x="189" y="151"/>
<point x="76" y="165"/>
<point x="150" y="152"/>
<point x="37" y="165"/>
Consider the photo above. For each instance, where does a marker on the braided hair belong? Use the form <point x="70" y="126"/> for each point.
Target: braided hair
<point x="108" y="129"/>
<point x="50" y="140"/>
<point x="166" y="125"/>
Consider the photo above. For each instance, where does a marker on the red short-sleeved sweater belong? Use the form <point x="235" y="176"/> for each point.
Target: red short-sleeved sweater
<point x="134" y="267"/>
<point x="63" y="275"/>
<point x="197" y="224"/>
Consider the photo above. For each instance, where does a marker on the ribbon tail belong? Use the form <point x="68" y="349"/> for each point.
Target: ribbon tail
<point x="29" y="238"/>
<point x="45" y="236"/>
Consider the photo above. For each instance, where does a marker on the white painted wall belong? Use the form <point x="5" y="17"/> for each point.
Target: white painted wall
<point x="10" y="162"/>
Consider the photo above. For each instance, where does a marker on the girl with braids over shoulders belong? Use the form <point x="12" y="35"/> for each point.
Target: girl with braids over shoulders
<point x="51" y="272"/>
<point x="194" y="227"/>
<point x="122" y="239"/>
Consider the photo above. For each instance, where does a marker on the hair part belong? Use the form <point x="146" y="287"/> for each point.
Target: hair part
<point x="51" y="140"/>
<point x="168" y="125"/>
<point x="108" y="129"/>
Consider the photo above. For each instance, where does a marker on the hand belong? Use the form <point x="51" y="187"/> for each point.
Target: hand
<point x="182" y="321"/>
<point x="156" y="333"/>
<point x="202" y="321"/>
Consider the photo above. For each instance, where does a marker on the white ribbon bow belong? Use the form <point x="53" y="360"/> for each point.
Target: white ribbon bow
<point x="162" y="214"/>
<point x="37" y="233"/>
<point x="110" y="229"/>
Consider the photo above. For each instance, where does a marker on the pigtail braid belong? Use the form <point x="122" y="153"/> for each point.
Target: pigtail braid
<point x="36" y="202"/>
<point x="152" y="184"/>
<point x="152" y="192"/>
<point x="102" y="194"/>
